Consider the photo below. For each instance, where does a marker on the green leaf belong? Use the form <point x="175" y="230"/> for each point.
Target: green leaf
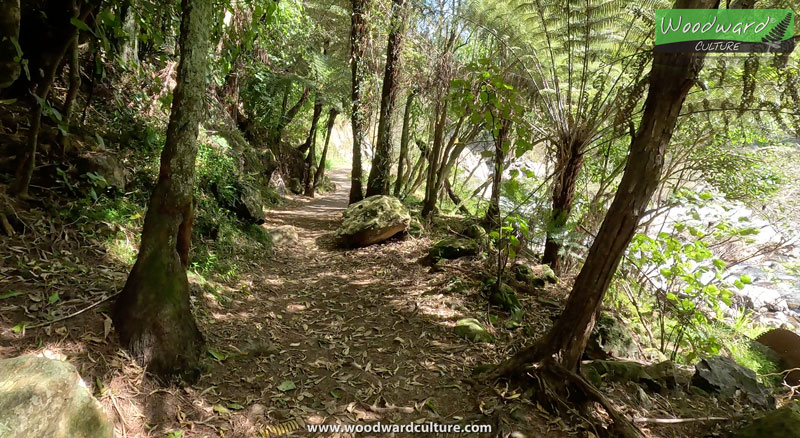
<point x="738" y="284"/>
<point x="719" y="264"/>
<point x="11" y="294"/>
<point x="235" y="406"/>
<point x="221" y="409"/>
<point x="53" y="298"/>
<point x="20" y="328"/>
<point x="746" y="279"/>
<point x="175" y="434"/>
<point x="286" y="385"/>
<point x="218" y="355"/>
<point x="79" y="24"/>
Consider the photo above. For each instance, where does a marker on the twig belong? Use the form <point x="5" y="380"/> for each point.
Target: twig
<point x="677" y="420"/>
<point x="45" y="324"/>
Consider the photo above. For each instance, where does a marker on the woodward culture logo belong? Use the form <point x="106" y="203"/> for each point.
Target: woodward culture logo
<point x="724" y="30"/>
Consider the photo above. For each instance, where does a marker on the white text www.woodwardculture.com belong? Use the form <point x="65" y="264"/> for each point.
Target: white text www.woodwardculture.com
<point x="399" y="428"/>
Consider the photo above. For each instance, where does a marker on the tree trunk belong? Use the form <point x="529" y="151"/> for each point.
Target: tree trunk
<point x="568" y="166"/>
<point x="456" y="200"/>
<point x="27" y="160"/>
<point x="9" y="34"/>
<point x="671" y="78"/>
<point x="404" y="139"/>
<point x="431" y="189"/>
<point x="287" y="117"/>
<point x="311" y="145"/>
<point x="152" y="315"/>
<point x="319" y="175"/>
<point x="129" y="48"/>
<point x="492" y="217"/>
<point x="378" y="183"/>
<point x="358" y="35"/>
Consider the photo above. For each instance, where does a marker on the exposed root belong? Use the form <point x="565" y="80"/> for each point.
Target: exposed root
<point x="560" y="388"/>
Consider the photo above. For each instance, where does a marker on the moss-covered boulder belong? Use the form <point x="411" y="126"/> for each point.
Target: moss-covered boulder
<point x="534" y="276"/>
<point x="372" y="220"/>
<point x="611" y="338"/>
<point x="780" y="423"/>
<point x="453" y="248"/>
<point x="655" y="377"/>
<point x="504" y="296"/>
<point x="41" y="397"/>
<point x="472" y="329"/>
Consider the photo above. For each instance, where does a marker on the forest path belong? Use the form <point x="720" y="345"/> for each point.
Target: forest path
<point x="363" y="335"/>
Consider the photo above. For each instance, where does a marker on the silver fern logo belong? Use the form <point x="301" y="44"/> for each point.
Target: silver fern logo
<point x="728" y="30"/>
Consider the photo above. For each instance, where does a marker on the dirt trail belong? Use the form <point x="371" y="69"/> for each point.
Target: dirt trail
<point x="364" y="335"/>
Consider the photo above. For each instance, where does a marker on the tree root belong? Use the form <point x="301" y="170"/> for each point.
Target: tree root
<point x="559" y="387"/>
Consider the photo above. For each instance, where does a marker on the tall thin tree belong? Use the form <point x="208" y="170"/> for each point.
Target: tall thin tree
<point x="378" y="183"/>
<point x="358" y="35"/>
<point x="152" y="315"/>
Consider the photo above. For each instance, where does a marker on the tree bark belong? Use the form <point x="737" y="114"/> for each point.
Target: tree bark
<point x="404" y="139"/>
<point x="319" y="175"/>
<point x="27" y="160"/>
<point x="671" y="78"/>
<point x="492" y="217"/>
<point x="568" y="166"/>
<point x="311" y="146"/>
<point x="379" y="174"/>
<point x="152" y="315"/>
<point x="129" y="47"/>
<point x="358" y="35"/>
<point x="431" y="189"/>
<point x="287" y="117"/>
<point x="9" y="34"/>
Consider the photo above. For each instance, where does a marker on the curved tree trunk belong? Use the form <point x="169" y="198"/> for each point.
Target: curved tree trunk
<point x="404" y="139"/>
<point x="152" y="315"/>
<point x="671" y="78"/>
<point x="9" y="34"/>
<point x="568" y="166"/>
<point x="378" y="183"/>
<point x="311" y="145"/>
<point x="358" y="35"/>
<point x="319" y="175"/>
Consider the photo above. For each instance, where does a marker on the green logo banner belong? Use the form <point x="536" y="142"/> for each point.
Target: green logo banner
<point x="724" y="30"/>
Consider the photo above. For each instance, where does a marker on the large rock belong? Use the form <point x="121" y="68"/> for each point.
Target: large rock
<point x="780" y="423"/>
<point x="453" y="248"/>
<point x="42" y="397"/>
<point x="372" y="220"/>
<point x="787" y="345"/>
<point x="721" y="375"/>
<point x="534" y="276"/>
<point x="655" y="377"/>
<point x="243" y="200"/>
<point x="104" y="164"/>
<point x="611" y="338"/>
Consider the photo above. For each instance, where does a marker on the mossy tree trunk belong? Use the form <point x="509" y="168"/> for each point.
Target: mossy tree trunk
<point x="319" y="175"/>
<point x="358" y="36"/>
<point x="9" y="37"/>
<point x="152" y="315"/>
<point x="404" y="139"/>
<point x="378" y="183"/>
